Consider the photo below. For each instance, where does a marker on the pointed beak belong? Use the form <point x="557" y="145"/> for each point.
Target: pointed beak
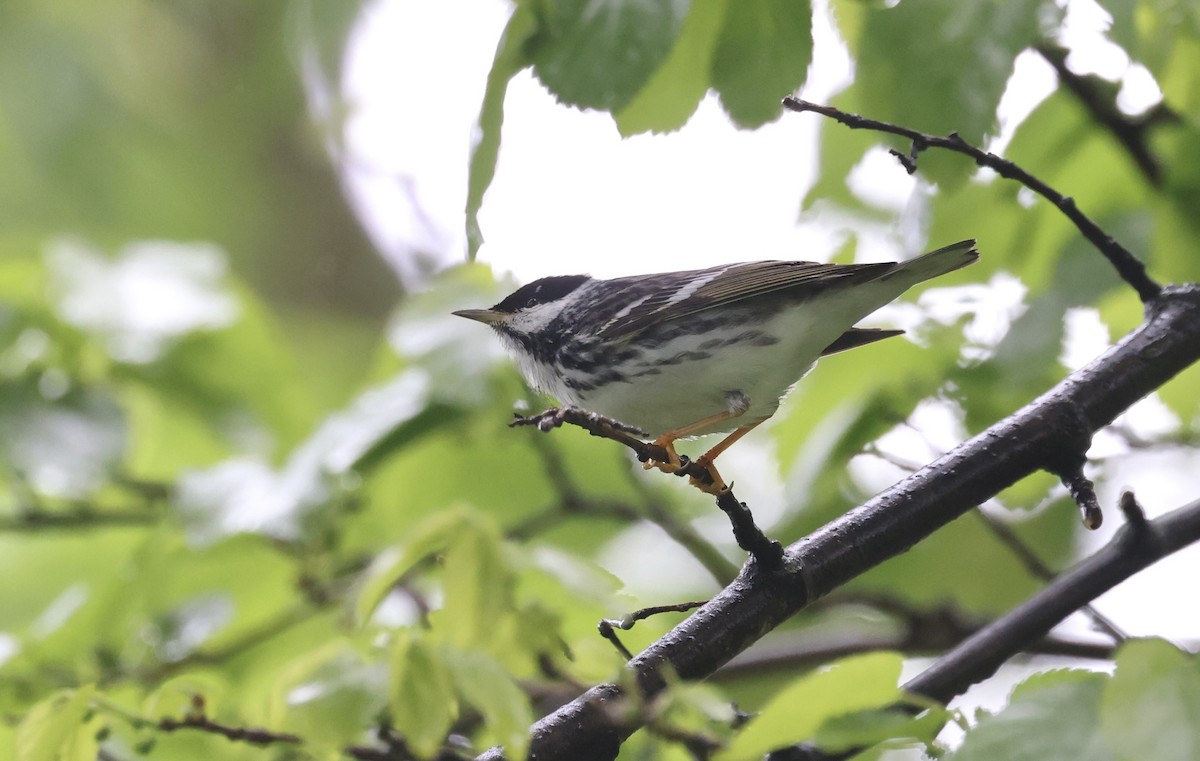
<point x="486" y="316"/>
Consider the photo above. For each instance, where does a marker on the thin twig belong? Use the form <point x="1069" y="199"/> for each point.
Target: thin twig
<point x="608" y="626"/>
<point x="1130" y="269"/>
<point x="35" y="520"/>
<point x="768" y="552"/>
<point x="251" y="735"/>
<point x="1040" y="571"/>
<point x="572" y="501"/>
<point x="1098" y="96"/>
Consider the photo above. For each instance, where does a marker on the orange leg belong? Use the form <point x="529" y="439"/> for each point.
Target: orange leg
<point x="706" y="460"/>
<point x="668" y="439"/>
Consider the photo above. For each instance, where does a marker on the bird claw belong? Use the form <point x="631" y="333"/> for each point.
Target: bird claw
<point x="674" y="464"/>
<point x="716" y="485"/>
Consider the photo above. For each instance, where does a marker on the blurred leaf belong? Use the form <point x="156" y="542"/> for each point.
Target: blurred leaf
<point x="175" y="698"/>
<point x="671" y="96"/>
<point x="64" y="441"/>
<point x="423" y="702"/>
<point x="247" y="495"/>
<point x="1148" y="709"/>
<point x="798" y="711"/>
<point x="996" y="580"/>
<point x="153" y="292"/>
<point x="478" y="584"/>
<point x="431" y="536"/>
<point x="460" y="356"/>
<point x="510" y="58"/>
<point x="762" y="54"/>
<point x="1051" y="715"/>
<point x="330" y="696"/>
<point x="51" y="730"/>
<point x="863" y="729"/>
<point x="485" y="685"/>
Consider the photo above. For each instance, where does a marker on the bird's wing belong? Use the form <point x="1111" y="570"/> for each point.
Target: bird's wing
<point x="680" y="294"/>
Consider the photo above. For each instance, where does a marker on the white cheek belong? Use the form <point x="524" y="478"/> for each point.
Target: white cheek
<point x="535" y="318"/>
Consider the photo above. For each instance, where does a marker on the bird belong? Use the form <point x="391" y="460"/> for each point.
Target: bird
<point x="685" y="354"/>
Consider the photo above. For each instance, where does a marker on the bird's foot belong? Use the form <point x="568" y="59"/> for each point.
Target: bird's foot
<point x="673" y="464"/>
<point x="716" y="485"/>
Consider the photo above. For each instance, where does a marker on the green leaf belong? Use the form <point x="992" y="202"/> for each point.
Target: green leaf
<point x="510" y="59"/>
<point x="431" y="536"/>
<point x="941" y="65"/>
<point x="671" y="96"/>
<point x="762" y="55"/>
<point x="865" y="728"/>
<point x="50" y="730"/>
<point x="997" y="580"/>
<point x="489" y="689"/>
<point x="1052" y="715"/>
<point x="600" y="53"/>
<point x="328" y="694"/>
<point x="1149" y="708"/>
<point x="798" y="711"/>
<point x="478" y="582"/>
<point x="423" y="704"/>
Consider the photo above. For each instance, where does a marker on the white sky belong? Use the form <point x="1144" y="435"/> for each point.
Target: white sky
<point x="570" y="195"/>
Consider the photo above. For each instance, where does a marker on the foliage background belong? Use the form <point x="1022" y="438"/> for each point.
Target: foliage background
<point x="247" y="478"/>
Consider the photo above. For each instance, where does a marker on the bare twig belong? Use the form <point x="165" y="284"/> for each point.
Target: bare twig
<point x="1131" y="270"/>
<point x="572" y="501"/>
<point x="608" y="626"/>
<point x="249" y="735"/>
<point x="1038" y="570"/>
<point x="768" y="552"/>
<point x="36" y="520"/>
<point x="1099" y="98"/>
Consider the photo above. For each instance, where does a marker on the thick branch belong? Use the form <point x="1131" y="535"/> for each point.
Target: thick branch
<point x="589" y="729"/>
<point x="1138" y="545"/>
<point x="1131" y="270"/>
<point x="1134" y="548"/>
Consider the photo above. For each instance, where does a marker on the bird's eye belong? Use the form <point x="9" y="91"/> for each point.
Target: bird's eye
<point x="544" y="291"/>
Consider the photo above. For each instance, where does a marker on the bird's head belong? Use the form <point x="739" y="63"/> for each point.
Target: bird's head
<point x="526" y="312"/>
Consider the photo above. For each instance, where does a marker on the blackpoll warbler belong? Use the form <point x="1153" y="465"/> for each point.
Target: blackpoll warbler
<point x="705" y="351"/>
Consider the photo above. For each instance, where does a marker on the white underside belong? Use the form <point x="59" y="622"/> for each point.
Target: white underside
<point x="695" y="389"/>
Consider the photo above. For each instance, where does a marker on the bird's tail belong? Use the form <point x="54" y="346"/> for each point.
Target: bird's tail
<point x="935" y="263"/>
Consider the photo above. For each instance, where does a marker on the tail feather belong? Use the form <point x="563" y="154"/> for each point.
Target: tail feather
<point x="935" y="263"/>
<point x="855" y="337"/>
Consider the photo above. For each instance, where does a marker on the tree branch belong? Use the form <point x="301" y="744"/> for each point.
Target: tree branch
<point x="37" y="519"/>
<point x="589" y="728"/>
<point x="1131" y="270"/>
<point x="1138" y="545"/>
<point x="1098" y="97"/>
<point x="250" y="735"/>
<point x="749" y="536"/>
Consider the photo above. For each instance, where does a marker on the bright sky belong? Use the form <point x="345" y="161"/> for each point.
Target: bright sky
<point x="570" y="195"/>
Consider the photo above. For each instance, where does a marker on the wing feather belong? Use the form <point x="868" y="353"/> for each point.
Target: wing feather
<point x="687" y="293"/>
